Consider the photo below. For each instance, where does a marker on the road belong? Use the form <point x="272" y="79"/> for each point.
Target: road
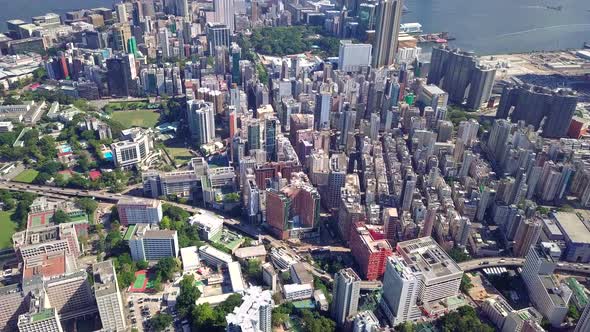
<point x="477" y="264"/>
<point x="110" y="197"/>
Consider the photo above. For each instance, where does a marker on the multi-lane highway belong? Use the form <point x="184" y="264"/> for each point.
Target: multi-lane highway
<point x="482" y="263"/>
<point x="476" y="264"/>
<point x="63" y="193"/>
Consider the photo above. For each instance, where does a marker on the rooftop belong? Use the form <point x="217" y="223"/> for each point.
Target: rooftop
<point x="159" y="234"/>
<point x="43" y="314"/>
<point x="426" y="256"/>
<point x="253" y="300"/>
<point x="554" y="290"/>
<point x="367" y="232"/>
<point x="138" y="201"/>
<point x="105" y="282"/>
<point x="249" y="252"/>
<point x="573" y="227"/>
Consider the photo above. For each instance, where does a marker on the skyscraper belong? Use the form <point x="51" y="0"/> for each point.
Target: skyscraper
<point x="271" y="129"/>
<point x="539" y="106"/>
<point x="217" y="35"/>
<point x="224" y="13"/>
<point x="41" y="320"/>
<point x="420" y="273"/>
<point x="352" y="57"/>
<point x="401" y="288"/>
<point x="527" y="235"/>
<point x="163" y="38"/>
<point x="182" y="8"/>
<point x="108" y="297"/>
<point x="388" y="20"/>
<point x="201" y="121"/>
<point x="345" y="298"/>
<point x="460" y="74"/>
<point x="584" y="322"/>
<point x="121" y="12"/>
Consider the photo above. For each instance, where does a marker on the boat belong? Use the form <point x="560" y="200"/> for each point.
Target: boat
<point x="558" y="8"/>
<point x="440" y="41"/>
<point x="587" y="45"/>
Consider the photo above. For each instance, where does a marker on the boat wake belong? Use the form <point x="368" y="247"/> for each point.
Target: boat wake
<point x="553" y="27"/>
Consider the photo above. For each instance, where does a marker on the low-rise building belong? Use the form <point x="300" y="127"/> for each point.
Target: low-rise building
<point x="190" y="259"/>
<point x="249" y="253"/>
<point x="294" y="292"/>
<point x="214" y="257"/>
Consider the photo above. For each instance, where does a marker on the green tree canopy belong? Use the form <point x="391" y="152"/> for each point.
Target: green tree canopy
<point x="161" y="321"/>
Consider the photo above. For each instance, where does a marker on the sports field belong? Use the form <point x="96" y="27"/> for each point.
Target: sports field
<point x="7" y="228"/>
<point x="140" y="283"/>
<point x="39" y="219"/>
<point x="139" y="118"/>
<point x="181" y="155"/>
<point x="26" y="176"/>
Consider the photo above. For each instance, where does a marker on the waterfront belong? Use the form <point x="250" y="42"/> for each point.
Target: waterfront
<point x="25" y="9"/>
<point x="505" y="26"/>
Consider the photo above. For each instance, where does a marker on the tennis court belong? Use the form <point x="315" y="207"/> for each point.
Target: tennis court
<point x="140" y="283"/>
<point x="39" y="219"/>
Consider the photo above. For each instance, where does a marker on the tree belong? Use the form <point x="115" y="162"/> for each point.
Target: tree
<point x="166" y="223"/>
<point x="314" y="322"/>
<point x="247" y="242"/>
<point x="158" y="283"/>
<point x="161" y="321"/>
<point x="459" y="255"/>
<point x="142" y="265"/>
<point x="285" y="276"/>
<point x="87" y="204"/>
<point x="166" y="267"/>
<point x="406" y="327"/>
<point x="60" y="217"/>
<point x="466" y="284"/>
<point x="464" y="319"/>
<point x="573" y="312"/>
<point x="189" y="294"/>
<point x="254" y="270"/>
<point x="227" y="306"/>
<point x="204" y="318"/>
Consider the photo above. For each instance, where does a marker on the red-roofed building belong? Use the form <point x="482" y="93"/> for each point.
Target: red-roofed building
<point x="94" y="175"/>
<point x="46" y="265"/>
<point x="369" y="249"/>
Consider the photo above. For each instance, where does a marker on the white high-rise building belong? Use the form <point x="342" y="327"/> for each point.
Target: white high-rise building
<point x="345" y="299"/>
<point x="420" y="272"/>
<point x="254" y="314"/>
<point x="152" y="244"/>
<point x="121" y="12"/>
<point x="224" y="13"/>
<point x="108" y="297"/>
<point x="201" y="121"/>
<point x="134" y="148"/>
<point x="549" y="297"/>
<point x="401" y="288"/>
<point x="353" y="57"/>
<point x="164" y="39"/>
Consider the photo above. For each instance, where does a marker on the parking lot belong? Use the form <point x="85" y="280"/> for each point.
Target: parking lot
<point x="141" y="308"/>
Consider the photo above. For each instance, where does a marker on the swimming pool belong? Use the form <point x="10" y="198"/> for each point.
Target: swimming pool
<point x="108" y="155"/>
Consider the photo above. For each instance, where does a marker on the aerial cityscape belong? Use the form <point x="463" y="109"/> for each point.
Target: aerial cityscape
<point x="294" y="166"/>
